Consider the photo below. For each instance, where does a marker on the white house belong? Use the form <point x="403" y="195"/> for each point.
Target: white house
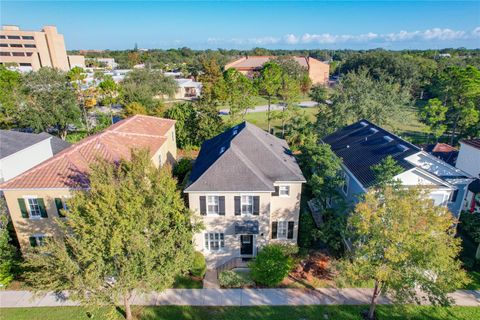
<point x="469" y="161"/>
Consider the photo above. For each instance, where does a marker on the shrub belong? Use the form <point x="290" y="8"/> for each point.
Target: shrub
<point x="271" y="265"/>
<point x="232" y="279"/>
<point x="181" y="169"/>
<point x="306" y="230"/>
<point x="289" y="249"/>
<point x="199" y="266"/>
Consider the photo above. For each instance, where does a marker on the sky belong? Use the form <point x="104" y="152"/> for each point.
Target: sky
<point x="225" y="24"/>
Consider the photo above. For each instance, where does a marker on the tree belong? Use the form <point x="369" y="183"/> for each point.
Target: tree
<point x="459" y="89"/>
<point x="213" y="84"/>
<point x="77" y="77"/>
<point x="358" y="96"/>
<point x="132" y="109"/>
<point x="271" y="265"/>
<point x="299" y="130"/>
<point x="147" y="87"/>
<point x="129" y="231"/>
<point x="109" y="89"/>
<point x="11" y="96"/>
<point x="322" y="168"/>
<point x="434" y="115"/>
<point x="240" y="93"/>
<point x="50" y="102"/>
<point x="385" y="172"/>
<point x="7" y="251"/>
<point x="289" y="92"/>
<point x="319" y="94"/>
<point x="403" y="242"/>
<point x="269" y="83"/>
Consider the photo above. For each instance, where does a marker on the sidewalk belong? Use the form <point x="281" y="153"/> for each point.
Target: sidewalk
<point x="231" y="297"/>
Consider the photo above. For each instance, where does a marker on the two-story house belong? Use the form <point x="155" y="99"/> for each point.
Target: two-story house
<point x="469" y="161"/>
<point x="36" y="197"/>
<point x="246" y="187"/>
<point x="364" y="144"/>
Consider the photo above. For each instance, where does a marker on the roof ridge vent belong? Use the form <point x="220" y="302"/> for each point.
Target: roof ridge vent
<point x="388" y="138"/>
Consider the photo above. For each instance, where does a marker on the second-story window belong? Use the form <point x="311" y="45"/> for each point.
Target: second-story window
<point x="247" y="204"/>
<point x="212" y="205"/>
<point x="34" y="207"/>
<point x="284" y="191"/>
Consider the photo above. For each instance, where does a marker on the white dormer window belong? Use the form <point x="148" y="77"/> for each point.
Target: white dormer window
<point x="388" y="139"/>
<point x="222" y="150"/>
<point x="403" y="148"/>
<point x="373" y="130"/>
<point x="363" y="123"/>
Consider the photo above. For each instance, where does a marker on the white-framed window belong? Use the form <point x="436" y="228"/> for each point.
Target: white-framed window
<point x="34" y="208"/>
<point x="214" y="241"/>
<point x="346" y="181"/>
<point x="282" y="229"/>
<point x="160" y="160"/>
<point x="247" y="204"/>
<point x="212" y="205"/>
<point x="284" y="191"/>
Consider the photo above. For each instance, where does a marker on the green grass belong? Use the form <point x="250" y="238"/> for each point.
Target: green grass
<point x="186" y="282"/>
<point x="475" y="277"/>
<point x="246" y="313"/>
<point x="260" y="118"/>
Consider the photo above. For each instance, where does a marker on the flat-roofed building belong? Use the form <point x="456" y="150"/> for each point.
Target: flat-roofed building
<point x="31" y="50"/>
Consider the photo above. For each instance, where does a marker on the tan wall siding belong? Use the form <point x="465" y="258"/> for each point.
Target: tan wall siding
<point x="272" y="208"/>
<point x="27" y="227"/>
<point x="318" y="71"/>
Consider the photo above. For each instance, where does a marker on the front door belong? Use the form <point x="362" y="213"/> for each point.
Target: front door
<point x="246" y="244"/>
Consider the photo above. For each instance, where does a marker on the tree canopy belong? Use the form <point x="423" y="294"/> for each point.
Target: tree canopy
<point x="129" y="231"/>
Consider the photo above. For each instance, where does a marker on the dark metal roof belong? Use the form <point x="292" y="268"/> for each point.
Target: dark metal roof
<point x="247" y="227"/>
<point x="243" y="158"/>
<point x="364" y="144"/>
<point x="474" y="186"/>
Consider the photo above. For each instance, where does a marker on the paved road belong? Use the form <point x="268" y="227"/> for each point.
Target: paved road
<point x="273" y="106"/>
<point x="231" y="297"/>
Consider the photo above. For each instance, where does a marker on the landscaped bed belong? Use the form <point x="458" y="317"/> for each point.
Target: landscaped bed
<point x="246" y="313"/>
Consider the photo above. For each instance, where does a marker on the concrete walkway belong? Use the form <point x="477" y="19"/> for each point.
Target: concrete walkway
<point x="273" y="107"/>
<point x="231" y="297"/>
<point x="211" y="279"/>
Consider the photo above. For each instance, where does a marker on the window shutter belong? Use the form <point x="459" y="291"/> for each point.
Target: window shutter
<point x="59" y="205"/>
<point x="274" y="229"/>
<point x="43" y="211"/>
<point x="256" y="205"/>
<point x="238" y="209"/>
<point x="290" y="229"/>
<point x="277" y="191"/>
<point x="33" y="241"/>
<point x="23" y="207"/>
<point x="221" y="205"/>
<point x="203" y="205"/>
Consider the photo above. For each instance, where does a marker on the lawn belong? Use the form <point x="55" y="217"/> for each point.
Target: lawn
<point x="246" y="313"/>
<point x="475" y="277"/>
<point x="260" y="118"/>
<point x="187" y="282"/>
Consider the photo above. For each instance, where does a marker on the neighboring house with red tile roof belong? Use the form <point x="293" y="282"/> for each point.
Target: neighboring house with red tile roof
<point x="318" y="71"/>
<point x="442" y="151"/>
<point x="35" y="197"/>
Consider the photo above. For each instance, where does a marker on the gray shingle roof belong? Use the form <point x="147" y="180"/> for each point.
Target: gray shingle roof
<point x="243" y="158"/>
<point x="13" y="141"/>
<point x="363" y="144"/>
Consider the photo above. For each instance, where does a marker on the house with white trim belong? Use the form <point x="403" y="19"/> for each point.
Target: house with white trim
<point x="245" y="186"/>
<point x="363" y="144"/>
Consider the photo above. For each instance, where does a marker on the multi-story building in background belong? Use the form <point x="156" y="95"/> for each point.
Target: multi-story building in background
<point x="31" y="50"/>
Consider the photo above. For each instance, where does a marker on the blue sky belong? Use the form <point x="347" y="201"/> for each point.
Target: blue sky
<point x="242" y="25"/>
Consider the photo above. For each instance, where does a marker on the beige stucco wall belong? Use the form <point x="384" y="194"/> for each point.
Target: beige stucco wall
<point x="49" y="48"/>
<point x="318" y="71"/>
<point x="272" y="208"/>
<point x="26" y="227"/>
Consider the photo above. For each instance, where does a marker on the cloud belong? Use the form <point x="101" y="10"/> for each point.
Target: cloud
<point x="434" y="34"/>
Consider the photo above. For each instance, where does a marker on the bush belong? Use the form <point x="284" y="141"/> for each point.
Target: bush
<point x="199" y="266"/>
<point x="181" y="169"/>
<point x="306" y="230"/>
<point x="271" y="265"/>
<point x="232" y="279"/>
<point x="289" y="249"/>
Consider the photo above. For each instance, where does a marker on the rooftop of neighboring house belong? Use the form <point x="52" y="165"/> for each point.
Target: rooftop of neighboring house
<point x="243" y="158"/>
<point x="69" y="168"/>
<point x="12" y="142"/>
<point x="442" y="151"/>
<point x="363" y="144"/>
<point x="255" y="62"/>
<point x="472" y="142"/>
